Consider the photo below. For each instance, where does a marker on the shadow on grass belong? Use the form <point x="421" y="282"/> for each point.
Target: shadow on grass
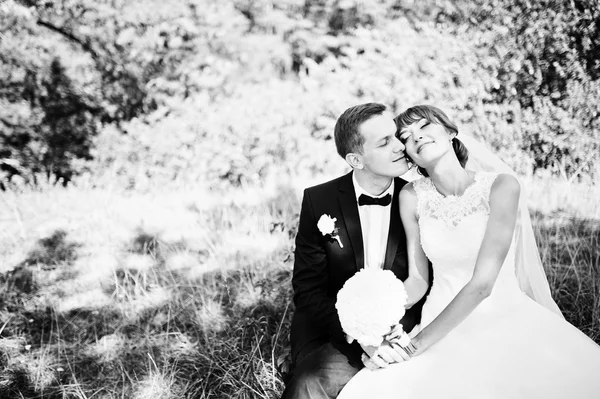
<point x="53" y="250"/>
<point x="244" y="359"/>
<point x="46" y="326"/>
<point x="146" y="244"/>
<point x="225" y="333"/>
<point x="48" y="253"/>
<point x="110" y="349"/>
<point x="17" y="384"/>
<point x="570" y="251"/>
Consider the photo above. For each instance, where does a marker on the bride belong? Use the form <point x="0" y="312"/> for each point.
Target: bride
<point x="489" y="327"/>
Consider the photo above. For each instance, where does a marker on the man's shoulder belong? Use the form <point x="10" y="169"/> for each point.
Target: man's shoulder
<point x="400" y="182"/>
<point x="331" y="185"/>
<point x="343" y="182"/>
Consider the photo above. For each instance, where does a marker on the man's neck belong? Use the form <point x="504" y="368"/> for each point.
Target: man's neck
<point x="372" y="184"/>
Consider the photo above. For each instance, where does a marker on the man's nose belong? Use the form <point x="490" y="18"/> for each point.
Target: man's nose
<point x="399" y="145"/>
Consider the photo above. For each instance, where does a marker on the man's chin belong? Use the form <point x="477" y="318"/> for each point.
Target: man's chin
<point x="395" y="172"/>
<point x="401" y="167"/>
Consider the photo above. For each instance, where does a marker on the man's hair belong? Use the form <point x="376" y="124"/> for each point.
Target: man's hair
<point x="347" y="128"/>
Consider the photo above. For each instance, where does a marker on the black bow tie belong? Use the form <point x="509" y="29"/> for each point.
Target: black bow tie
<point x="366" y="200"/>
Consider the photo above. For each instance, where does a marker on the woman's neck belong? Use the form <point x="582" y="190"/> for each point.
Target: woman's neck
<point x="449" y="177"/>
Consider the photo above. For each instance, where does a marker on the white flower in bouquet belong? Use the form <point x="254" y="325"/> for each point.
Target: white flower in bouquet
<point x="370" y="304"/>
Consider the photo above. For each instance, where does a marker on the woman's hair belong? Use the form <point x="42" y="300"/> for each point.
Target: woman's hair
<point x="433" y="115"/>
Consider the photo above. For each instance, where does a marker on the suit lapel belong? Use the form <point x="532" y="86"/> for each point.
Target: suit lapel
<point x="349" y="207"/>
<point x="395" y="232"/>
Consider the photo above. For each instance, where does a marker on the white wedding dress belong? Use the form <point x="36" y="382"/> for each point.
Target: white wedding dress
<point x="508" y="347"/>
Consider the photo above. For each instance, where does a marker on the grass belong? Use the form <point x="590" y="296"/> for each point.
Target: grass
<point x="566" y="220"/>
<point x="154" y="293"/>
<point x="144" y="295"/>
<point x="182" y="295"/>
<point x="571" y="246"/>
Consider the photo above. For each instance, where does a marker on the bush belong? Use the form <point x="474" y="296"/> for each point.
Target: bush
<point x="543" y="56"/>
<point x="231" y="93"/>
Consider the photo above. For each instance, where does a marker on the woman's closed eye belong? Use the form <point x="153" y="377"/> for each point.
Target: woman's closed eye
<point x="404" y="137"/>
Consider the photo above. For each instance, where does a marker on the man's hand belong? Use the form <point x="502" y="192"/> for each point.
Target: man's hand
<point x="376" y="357"/>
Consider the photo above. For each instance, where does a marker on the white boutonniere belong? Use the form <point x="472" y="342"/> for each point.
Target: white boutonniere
<point x="326" y="225"/>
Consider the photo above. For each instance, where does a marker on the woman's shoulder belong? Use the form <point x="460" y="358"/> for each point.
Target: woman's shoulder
<point x="505" y="185"/>
<point x="506" y="181"/>
<point x="408" y="196"/>
<point x="414" y="186"/>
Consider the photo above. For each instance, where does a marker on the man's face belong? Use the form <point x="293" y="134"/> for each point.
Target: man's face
<point x="383" y="153"/>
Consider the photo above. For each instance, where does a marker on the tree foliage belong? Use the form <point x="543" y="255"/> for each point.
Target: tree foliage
<point x="231" y="92"/>
<point x="545" y="60"/>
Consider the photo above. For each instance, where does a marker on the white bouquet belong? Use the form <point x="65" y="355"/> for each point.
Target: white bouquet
<point x="370" y="305"/>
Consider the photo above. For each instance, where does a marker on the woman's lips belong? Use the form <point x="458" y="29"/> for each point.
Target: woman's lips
<point x="423" y="145"/>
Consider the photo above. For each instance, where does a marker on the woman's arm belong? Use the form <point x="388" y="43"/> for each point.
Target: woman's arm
<point x="418" y="270"/>
<point x="416" y="284"/>
<point x="504" y="202"/>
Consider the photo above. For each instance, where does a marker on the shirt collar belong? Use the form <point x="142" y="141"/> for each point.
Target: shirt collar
<point x="358" y="190"/>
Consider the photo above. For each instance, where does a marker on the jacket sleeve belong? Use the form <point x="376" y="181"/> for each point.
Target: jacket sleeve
<point x="310" y="279"/>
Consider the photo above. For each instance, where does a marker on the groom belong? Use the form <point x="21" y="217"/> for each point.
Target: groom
<point x="364" y="230"/>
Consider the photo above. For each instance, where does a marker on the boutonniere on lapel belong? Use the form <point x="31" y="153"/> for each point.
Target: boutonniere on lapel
<point x="326" y="225"/>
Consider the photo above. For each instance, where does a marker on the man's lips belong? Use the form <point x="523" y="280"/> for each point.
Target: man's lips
<point x="399" y="159"/>
<point x="423" y="145"/>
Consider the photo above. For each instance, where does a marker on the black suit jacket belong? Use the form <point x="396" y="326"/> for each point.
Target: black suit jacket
<point x="321" y="266"/>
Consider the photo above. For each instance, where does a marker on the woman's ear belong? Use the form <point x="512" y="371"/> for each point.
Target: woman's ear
<point x="354" y="160"/>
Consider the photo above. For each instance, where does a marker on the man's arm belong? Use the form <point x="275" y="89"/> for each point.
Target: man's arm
<point x="310" y="279"/>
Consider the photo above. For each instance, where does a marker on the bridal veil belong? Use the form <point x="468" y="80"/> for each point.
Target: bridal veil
<point x="528" y="265"/>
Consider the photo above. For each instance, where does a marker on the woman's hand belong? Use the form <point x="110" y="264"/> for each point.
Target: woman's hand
<point x="400" y="338"/>
<point x="376" y="357"/>
<point x="419" y="345"/>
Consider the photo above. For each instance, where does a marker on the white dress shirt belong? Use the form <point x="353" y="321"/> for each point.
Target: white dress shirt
<point x="375" y="226"/>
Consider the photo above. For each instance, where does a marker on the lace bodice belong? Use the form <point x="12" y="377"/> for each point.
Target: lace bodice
<point x="452" y="229"/>
<point x="452" y="209"/>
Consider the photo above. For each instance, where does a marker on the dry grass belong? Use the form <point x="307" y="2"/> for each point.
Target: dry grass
<point x="184" y="295"/>
<point x="129" y="296"/>
<point x="566" y="220"/>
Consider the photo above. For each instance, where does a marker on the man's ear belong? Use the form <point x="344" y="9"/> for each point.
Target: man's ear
<point x="354" y="160"/>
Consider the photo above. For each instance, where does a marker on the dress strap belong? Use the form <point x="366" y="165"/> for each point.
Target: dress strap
<point x="485" y="180"/>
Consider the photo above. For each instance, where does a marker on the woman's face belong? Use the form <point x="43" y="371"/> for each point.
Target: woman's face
<point x="425" y="141"/>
